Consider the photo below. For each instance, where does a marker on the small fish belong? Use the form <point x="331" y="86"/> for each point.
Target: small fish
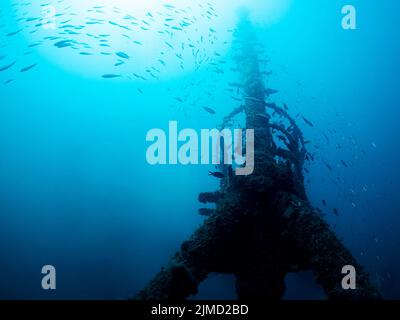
<point x="324" y="202"/>
<point x="122" y="55"/>
<point x="268" y="92"/>
<point x="14" y="33"/>
<point x="110" y="76"/>
<point x="308" y="122"/>
<point x="209" y="110"/>
<point x="28" y="68"/>
<point x="344" y="163"/>
<point x="335" y="212"/>
<point x="169" y="45"/>
<point x="7" y="66"/>
<point x="285" y="107"/>
<point x="31" y="19"/>
<point x="216" y="174"/>
<point x="306" y="170"/>
<point x="63" y="43"/>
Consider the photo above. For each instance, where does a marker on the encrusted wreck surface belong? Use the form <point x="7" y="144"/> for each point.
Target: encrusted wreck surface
<point x="263" y="226"/>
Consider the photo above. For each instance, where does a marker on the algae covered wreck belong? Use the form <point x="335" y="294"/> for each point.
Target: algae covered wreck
<point x="263" y="226"/>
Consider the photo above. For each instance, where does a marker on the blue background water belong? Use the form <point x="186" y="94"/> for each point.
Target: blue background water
<point x="76" y="191"/>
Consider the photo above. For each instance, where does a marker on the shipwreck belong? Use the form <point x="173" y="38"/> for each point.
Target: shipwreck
<point x="263" y="226"/>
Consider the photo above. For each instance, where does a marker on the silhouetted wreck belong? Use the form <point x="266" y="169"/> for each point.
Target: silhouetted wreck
<point x="263" y="226"/>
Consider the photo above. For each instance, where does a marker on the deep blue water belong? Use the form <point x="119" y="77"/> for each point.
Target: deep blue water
<point x="76" y="190"/>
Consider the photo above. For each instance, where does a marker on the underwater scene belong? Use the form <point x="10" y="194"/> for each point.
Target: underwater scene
<point x="199" y="150"/>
